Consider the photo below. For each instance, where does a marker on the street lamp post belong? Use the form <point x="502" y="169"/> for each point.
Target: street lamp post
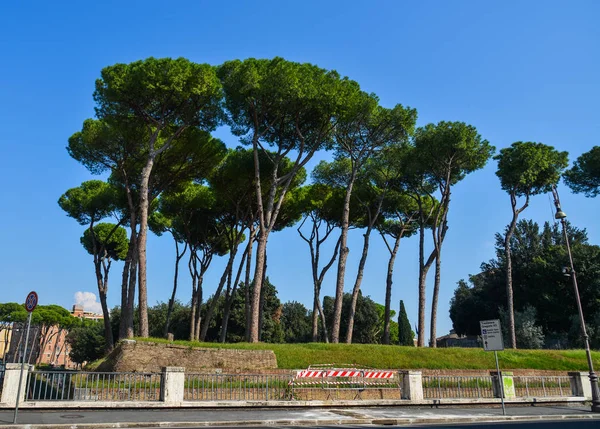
<point x="560" y="215"/>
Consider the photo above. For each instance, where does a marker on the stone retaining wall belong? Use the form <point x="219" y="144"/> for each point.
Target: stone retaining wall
<point x="139" y="356"/>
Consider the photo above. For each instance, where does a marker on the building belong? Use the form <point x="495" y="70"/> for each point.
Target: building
<point x="5" y="336"/>
<point x="53" y="341"/>
<point x="79" y="312"/>
<point x="455" y="340"/>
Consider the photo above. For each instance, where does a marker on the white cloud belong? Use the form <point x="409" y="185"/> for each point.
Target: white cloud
<point x="89" y="302"/>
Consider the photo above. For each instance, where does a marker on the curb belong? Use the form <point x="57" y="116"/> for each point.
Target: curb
<point x="308" y="422"/>
<point x="64" y="405"/>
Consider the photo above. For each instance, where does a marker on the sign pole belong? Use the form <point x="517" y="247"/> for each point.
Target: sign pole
<point x="30" y="303"/>
<point x="22" y="369"/>
<point x="491" y="335"/>
<point x="501" y="382"/>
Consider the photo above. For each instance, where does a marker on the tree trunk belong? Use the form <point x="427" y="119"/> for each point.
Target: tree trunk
<point x="257" y="287"/>
<point x="193" y="272"/>
<point x="231" y="295"/>
<point x="323" y="322"/>
<point x="141" y="247"/>
<point x="341" y="273"/>
<point x="357" y="283"/>
<point x="315" y="318"/>
<point x="423" y="269"/>
<point x="108" y="336"/>
<point x="198" y="309"/>
<point x="55" y="349"/>
<point x="434" y="301"/>
<point x="175" y="277"/>
<point x="102" y="283"/>
<point x="261" y="314"/>
<point x="127" y="309"/>
<point x="507" y="253"/>
<point x="388" y="289"/>
<point x="128" y="285"/>
<point x="439" y="230"/>
<point x="247" y="304"/>
<point x="124" y="284"/>
<point x="211" y="308"/>
<point x="130" y="333"/>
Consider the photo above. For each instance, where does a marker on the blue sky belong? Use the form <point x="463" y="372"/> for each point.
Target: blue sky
<point x="515" y="70"/>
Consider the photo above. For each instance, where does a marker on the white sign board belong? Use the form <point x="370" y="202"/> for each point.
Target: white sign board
<point x="491" y="334"/>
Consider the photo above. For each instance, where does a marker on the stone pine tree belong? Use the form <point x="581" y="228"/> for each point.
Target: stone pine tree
<point x="405" y="334"/>
<point x="117" y="146"/>
<point x="88" y="204"/>
<point x="287" y="109"/>
<point x="364" y="129"/>
<point x="525" y="169"/>
<point x="447" y="152"/>
<point x="584" y="176"/>
<point x="170" y="98"/>
<point x="321" y="207"/>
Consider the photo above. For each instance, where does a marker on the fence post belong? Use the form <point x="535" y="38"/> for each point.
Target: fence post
<point x="11" y="383"/>
<point x="580" y="384"/>
<point x="508" y="383"/>
<point x="172" y="385"/>
<point x="412" y="385"/>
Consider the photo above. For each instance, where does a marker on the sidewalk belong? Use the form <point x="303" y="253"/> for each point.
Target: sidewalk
<point x="86" y="419"/>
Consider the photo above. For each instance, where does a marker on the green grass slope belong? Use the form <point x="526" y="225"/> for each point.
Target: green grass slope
<point x="297" y="356"/>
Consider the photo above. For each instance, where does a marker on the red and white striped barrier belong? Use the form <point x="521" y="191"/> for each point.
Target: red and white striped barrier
<point x="344" y="373"/>
<point x="308" y="373"/>
<point x="379" y="374"/>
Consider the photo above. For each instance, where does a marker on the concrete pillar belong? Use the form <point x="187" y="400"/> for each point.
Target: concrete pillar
<point x="580" y="384"/>
<point x="508" y="383"/>
<point x="412" y="385"/>
<point x="10" y="385"/>
<point x="172" y="385"/>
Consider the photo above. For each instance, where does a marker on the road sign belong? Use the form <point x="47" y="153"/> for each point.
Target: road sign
<point x="31" y="301"/>
<point x="491" y="334"/>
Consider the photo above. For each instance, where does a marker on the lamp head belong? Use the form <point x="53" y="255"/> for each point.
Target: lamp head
<point x="559" y="213"/>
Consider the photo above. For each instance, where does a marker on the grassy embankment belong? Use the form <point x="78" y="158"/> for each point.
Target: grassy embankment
<point x="296" y="356"/>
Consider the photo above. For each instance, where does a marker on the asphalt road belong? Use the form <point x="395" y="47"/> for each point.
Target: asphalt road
<point x="575" y="424"/>
<point x="316" y="417"/>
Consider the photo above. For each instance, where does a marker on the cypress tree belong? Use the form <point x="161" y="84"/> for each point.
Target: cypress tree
<point x="406" y="335"/>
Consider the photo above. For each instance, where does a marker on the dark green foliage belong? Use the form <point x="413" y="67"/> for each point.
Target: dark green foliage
<point x="367" y="326"/>
<point x="111" y="241"/>
<point x="405" y="334"/>
<point x="180" y="320"/>
<point x="529" y="334"/>
<point x="90" y="202"/>
<point x="296" y="322"/>
<point x="528" y="168"/>
<point x="584" y="176"/>
<point x="539" y="256"/>
<point x="86" y="342"/>
<point x="272" y="331"/>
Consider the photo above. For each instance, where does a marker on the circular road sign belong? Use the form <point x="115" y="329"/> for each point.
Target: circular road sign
<point x="31" y="301"/>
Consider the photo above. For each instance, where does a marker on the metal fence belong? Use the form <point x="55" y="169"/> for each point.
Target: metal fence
<point x="237" y="387"/>
<point x="92" y="386"/>
<point x="528" y="386"/>
<point x="450" y="386"/>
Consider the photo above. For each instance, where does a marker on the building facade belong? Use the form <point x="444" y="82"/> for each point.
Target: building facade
<point x="46" y="346"/>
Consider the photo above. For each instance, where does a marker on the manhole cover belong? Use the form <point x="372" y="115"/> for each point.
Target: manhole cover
<point x="72" y="416"/>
